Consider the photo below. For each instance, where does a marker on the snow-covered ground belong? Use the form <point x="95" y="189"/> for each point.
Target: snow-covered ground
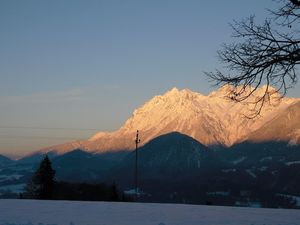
<point x="30" y="212"/>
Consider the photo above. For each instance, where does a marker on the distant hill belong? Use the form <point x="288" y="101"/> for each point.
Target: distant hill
<point x="82" y="166"/>
<point x="36" y="157"/>
<point x="165" y="157"/>
<point x="5" y="160"/>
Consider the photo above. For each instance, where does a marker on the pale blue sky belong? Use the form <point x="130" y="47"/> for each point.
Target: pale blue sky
<point x="89" y="64"/>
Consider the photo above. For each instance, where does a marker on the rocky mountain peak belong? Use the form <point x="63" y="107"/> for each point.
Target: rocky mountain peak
<point x="211" y="120"/>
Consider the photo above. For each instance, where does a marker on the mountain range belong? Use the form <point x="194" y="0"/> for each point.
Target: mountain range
<point x="194" y="148"/>
<point x="211" y="119"/>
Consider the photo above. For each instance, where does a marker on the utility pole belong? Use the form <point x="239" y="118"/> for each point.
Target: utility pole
<point x="137" y="141"/>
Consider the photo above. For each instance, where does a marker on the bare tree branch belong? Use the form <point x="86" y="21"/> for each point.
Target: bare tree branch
<point x="265" y="53"/>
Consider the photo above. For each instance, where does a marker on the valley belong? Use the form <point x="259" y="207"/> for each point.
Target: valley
<point x="194" y="149"/>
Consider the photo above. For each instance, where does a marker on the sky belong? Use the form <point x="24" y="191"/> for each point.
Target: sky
<point x="71" y="68"/>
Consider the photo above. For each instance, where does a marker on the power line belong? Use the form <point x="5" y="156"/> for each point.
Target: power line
<point x="48" y="128"/>
<point x="5" y="136"/>
<point x="36" y="137"/>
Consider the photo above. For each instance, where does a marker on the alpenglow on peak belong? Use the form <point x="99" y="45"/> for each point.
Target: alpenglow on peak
<point x="210" y="119"/>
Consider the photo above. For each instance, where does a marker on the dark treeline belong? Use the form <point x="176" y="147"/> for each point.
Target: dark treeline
<point x="85" y="192"/>
<point x="217" y="182"/>
<point x="43" y="186"/>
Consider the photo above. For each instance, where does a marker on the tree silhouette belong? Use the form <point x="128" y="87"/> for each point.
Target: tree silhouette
<point x="41" y="184"/>
<point x="114" y="193"/>
<point x="266" y="53"/>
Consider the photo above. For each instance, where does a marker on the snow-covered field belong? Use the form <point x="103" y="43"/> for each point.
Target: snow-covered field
<point x="30" y="212"/>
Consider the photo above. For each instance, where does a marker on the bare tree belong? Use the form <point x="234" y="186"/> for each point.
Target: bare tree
<point x="266" y="53"/>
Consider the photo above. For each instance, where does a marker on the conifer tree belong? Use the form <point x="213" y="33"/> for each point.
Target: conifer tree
<point x="42" y="182"/>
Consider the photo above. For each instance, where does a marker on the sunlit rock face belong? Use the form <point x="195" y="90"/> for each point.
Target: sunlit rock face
<point x="285" y="126"/>
<point x="211" y="119"/>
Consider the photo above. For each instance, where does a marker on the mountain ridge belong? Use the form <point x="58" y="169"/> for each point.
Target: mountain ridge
<point x="211" y="119"/>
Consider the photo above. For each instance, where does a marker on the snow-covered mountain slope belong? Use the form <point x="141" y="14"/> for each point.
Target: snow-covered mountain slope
<point x="211" y="120"/>
<point x="283" y="127"/>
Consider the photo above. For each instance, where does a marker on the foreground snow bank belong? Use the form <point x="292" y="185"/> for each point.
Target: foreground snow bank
<point x="31" y="212"/>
